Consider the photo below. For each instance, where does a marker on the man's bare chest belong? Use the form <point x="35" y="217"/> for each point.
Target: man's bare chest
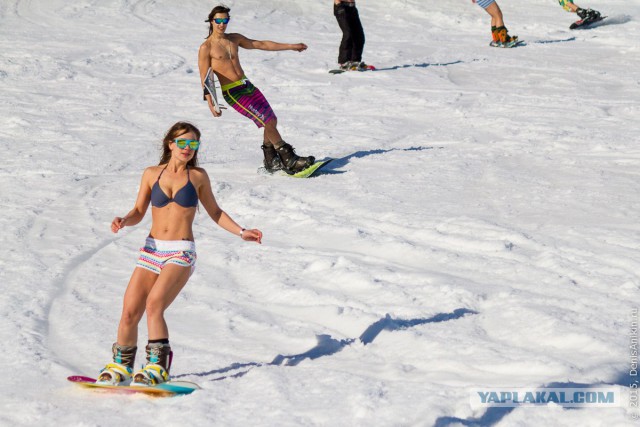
<point x="222" y="50"/>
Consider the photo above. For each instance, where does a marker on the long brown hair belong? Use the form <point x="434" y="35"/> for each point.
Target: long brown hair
<point x="175" y="131"/>
<point x="217" y="9"/>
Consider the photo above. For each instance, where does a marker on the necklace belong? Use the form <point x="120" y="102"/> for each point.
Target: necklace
<point x="228" y="48"/>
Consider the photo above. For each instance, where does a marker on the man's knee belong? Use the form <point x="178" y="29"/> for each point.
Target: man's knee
<point x="271" y="124"/>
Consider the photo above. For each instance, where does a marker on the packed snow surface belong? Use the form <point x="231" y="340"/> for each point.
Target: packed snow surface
<point x="478" y="227"/>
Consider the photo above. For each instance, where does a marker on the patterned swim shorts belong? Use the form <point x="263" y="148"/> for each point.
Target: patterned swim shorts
<point x="156" y="254"/>
<point x="247" y="100"/>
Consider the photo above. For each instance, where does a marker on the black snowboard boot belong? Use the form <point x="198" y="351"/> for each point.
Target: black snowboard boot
<point x="291" y="162"/>
<point x="272" y="162"/>
<point x="588" y="14"/>
<point x="156" y="370"/>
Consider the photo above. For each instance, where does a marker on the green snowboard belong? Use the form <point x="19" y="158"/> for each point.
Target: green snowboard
<point x="311" y="170"/>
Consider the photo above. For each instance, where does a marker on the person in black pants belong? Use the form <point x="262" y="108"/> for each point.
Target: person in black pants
<point x="350" y="54"/>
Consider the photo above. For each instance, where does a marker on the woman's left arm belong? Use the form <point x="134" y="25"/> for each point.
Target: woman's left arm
<point x="220" y="217"/>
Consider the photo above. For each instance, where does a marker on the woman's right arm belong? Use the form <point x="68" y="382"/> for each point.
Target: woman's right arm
<point x="136" y="214"/>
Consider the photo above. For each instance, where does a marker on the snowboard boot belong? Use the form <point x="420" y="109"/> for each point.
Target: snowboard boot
<point x="272" y="162"/>
<point x="156" y="371"/>
<point x="494" y="35"/>
<point x="501" y="36"/>
<point x="291" y="162"/>
<point x="346" y="66"/>
<point x="120" y="371"/>
<point x="588" y="14"/>
<point x="360" y="66"/>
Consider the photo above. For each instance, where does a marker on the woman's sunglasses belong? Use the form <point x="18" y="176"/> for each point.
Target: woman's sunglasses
<point x="221" y="20"/>
<point x="194" y="144"/>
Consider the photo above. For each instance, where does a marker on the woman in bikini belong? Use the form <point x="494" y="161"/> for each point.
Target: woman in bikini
<point x="168" y="258"/>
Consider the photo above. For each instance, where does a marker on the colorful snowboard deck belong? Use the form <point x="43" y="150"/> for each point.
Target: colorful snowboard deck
<point x="171" y="388"/>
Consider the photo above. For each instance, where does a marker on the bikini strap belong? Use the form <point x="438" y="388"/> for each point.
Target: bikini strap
<point x="158" y="180"/>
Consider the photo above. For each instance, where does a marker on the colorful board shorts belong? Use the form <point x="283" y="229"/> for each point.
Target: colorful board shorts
<point x="484" y="3"/>
<point x="156" y="254"/>
<point x="247" y="100"/>
<point x="565" y="4"/>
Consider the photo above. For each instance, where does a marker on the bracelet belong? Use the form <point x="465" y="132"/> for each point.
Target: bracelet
<point x="242" y="231"/>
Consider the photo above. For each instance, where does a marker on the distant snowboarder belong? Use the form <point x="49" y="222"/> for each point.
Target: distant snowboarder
<point x="587" y="16"/>
<point x="499" y="33"/>
<point x="352" y="44"/>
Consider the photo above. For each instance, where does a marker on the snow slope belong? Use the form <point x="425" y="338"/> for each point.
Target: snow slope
<point x="477" y="229"/>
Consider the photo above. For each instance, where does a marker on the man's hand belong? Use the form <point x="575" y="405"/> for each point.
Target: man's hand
<point x="213" y="110"/>
<point x="299" y="47"/>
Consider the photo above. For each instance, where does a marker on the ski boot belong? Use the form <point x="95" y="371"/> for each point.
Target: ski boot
<point x="272" y="162"/>
<point x="120" y="371"/>
<point x="156" y="371"/>
<point x="501" y="37"/>
<point x="291" y="162"/>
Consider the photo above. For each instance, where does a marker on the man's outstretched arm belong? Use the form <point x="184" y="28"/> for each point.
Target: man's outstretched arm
<point x="248" y="43"/>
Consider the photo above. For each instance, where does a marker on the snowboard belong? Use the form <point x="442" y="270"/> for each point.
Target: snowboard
<point x="584" y="23"/>
<point x="311" y="170"/>
<point x="340" y="71"/>
<point x="514" y="43"/>
<point x="171" y="388"/>
<point x="305" y="173"/>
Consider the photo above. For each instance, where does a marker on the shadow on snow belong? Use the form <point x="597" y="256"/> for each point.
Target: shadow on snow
<point x="326" y="345"/>
<point x="423" y="65"/>
<point x="343" y="161"/>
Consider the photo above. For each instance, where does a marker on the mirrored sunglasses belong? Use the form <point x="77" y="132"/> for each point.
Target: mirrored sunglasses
<point x="194" y="144"/>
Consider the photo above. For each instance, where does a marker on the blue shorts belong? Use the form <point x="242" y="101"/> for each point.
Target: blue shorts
<point x="484" y="3"/>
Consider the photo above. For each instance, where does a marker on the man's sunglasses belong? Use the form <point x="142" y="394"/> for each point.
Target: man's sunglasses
<point x="194" y="144"/>
<point x="221" y="20"/>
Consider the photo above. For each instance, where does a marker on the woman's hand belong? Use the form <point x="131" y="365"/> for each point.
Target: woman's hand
<point x="253" y="235"/>
<point x="118" y="223"/>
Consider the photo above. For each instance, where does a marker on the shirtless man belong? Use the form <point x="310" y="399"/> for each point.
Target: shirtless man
<point x="220" y="53"/>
